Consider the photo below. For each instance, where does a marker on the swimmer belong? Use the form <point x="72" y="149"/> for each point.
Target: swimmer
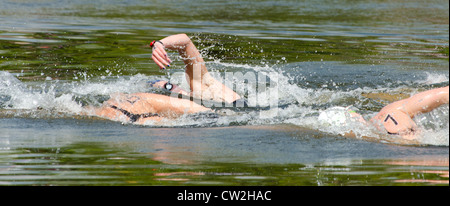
<point x="141" y="107"/>
<point x="395" y="118"/>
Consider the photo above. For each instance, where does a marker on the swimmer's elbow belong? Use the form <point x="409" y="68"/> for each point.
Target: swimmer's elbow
<point x="185" y="38"/>
<point x="184" y="35"/>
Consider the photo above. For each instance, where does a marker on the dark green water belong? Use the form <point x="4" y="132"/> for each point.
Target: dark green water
<point x="58" y="55"/>
<point x="86" y="152"/>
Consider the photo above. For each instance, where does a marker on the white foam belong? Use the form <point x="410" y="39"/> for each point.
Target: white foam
<point x="299" y="106"/>
<point x="433" y="78"/>
<point x="434" y="126"/>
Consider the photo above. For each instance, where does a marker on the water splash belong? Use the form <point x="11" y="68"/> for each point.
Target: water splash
<point x="433" y="78"/>
<point x="298" y="104"/>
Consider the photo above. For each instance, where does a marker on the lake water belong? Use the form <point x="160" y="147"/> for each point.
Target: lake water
<point x="58" y="56"/>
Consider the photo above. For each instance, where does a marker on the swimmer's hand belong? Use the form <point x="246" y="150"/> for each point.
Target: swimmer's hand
<point x="159" y="55"/>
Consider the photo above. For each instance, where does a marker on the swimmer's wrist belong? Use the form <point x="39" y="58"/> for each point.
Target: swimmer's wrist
<point x="152" y="44"/>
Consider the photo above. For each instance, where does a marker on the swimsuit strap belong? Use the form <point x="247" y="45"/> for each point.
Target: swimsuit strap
<point x="134" y="117"/>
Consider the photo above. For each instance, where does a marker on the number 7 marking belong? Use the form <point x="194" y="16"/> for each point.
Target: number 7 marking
<point x="390" y="117"/>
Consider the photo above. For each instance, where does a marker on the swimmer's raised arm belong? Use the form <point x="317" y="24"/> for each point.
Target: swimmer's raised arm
<point x="202" y="84"/>
<point x="179" y="42"/>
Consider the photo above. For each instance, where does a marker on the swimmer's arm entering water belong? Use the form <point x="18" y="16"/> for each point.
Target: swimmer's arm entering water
<point x="202" y="84"/>
<point x="396" y="118"/>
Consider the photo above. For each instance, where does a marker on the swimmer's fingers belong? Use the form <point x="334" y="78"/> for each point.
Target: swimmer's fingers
<point x="156" y="60"/>
<point x="161" y="55"/>
<point x="162" y="52"/>
<point x="159" y="59"/>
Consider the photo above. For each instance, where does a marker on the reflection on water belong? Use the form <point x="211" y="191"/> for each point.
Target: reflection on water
<point x="427" y="163"/>
<point x="98" y="164"/>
